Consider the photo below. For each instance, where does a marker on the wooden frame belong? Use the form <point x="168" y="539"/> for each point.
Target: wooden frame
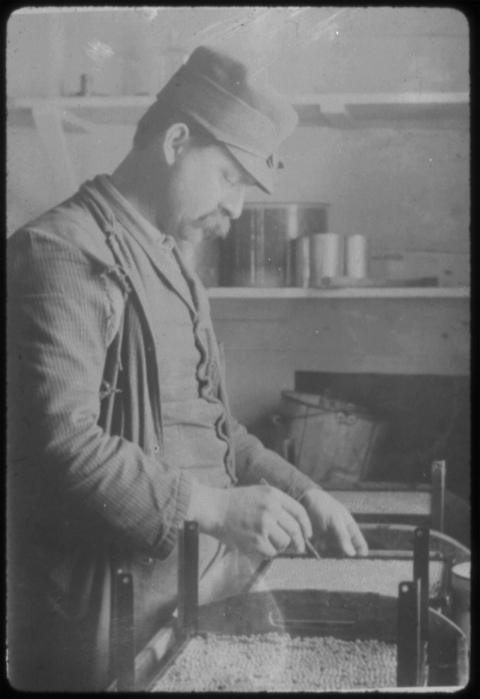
<point x="445" y="643"/>
<point x="427" y="500"/>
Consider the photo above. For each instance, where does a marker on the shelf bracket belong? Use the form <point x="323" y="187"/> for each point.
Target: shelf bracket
<point x="188" y="579"/>
<point x="69" y="118"/>
<point x="49" y="127"/>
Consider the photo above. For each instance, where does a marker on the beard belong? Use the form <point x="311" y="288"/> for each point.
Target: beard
<point x="214" y="226"/>
<point x="207" y="227"/>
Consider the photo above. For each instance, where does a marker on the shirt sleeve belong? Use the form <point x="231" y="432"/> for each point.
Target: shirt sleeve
<point x="84" y="480"/>
<point x="253" y="462"/>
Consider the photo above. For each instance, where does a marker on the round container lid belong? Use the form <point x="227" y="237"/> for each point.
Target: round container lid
<point x="461" y="578"/>
<point x="462" y="570"/>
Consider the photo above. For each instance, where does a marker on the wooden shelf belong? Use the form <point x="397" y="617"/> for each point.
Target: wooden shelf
<point x="336" y="110"/>
<point x="83" y="113"/>
<point x="53" y="117"/>
<point x="402" y="110"/>
<point x="354" y="293"/>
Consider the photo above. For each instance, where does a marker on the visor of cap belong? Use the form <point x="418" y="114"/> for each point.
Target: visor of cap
<point x="262" y="172"/>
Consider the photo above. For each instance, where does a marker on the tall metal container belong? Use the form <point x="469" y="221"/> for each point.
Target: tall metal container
<point x="259" y="250"/>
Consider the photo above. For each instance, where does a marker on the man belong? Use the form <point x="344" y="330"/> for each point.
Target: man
<point x="119" y="423"/>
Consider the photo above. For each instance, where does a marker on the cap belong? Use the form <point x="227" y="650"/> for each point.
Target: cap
<point x="228" y="99"/>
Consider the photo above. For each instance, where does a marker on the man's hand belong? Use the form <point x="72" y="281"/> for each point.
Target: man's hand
<point x="253" y="518"/>
<point x="333" y="525"/>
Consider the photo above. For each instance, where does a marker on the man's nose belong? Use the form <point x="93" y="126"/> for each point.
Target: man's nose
<point x="234" y="200"/>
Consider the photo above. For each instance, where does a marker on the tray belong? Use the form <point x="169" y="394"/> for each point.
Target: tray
<point x="417" y="632"/>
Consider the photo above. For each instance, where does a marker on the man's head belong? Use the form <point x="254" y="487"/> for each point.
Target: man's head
<point x="212" y="132"/>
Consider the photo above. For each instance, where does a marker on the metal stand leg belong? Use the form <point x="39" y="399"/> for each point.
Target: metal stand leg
<point x="408" y="634"/>
<point x="188" y="579"/>
<point x="125" y="635"/>
<point x="421" y="560"/>
<point x="421" y="564"/>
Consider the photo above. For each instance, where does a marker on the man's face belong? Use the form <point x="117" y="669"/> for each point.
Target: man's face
<point x="206" y="189"/>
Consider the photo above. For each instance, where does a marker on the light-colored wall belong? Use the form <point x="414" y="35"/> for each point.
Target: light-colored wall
<point x="266" y="342"/>
<point x="315" y="49"/>
<point x="402" y="189"/>
<point x="405" y="189"/>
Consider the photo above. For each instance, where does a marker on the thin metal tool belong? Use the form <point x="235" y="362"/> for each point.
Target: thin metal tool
<point x="310" y="548"/>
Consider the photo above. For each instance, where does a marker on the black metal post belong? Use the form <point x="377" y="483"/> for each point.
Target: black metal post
<point x="408" y="634"/>
<point x="421" y="564"/>
<point x="125" y="634"/>
<point x="188" y="579"/>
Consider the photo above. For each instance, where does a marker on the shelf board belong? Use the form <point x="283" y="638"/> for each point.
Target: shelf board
<point x="405" y="110"/>
<point x="336" y="101"/>
<point x="338" y="110"/>
<point x="353" y="293"/>
<point x="83" y="113"/>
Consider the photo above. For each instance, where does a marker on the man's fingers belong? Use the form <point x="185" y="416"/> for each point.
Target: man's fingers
<point x="350" y="537"/>
<point x="279" y="539"/>
<point x="265" y="548"/>
<point x="293" y="530"/>
<point x="334" y="523"/>
<point x="357" y="538"/>
<point x="280" y="530"/>
<point x="298" y="512"/>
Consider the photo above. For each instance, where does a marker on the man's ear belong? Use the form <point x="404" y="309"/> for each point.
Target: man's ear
<point x="175" y="141"/>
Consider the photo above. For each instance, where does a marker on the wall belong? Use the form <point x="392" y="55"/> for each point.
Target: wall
<point x="303" y="50"/>
<point x="266" y="342"/>
<point x="402" y="189"/>
<point x="405" y="189"/>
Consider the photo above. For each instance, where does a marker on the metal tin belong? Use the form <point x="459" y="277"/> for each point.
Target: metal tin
<point x="260" y="249"/>
<point x="302" y="261"/>
<point x="326" y="256"/>
<point x="356" y="257"/>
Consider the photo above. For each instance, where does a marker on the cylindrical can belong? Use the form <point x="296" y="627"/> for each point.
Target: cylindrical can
<point x="302" y="261"/>
<point x="326" y="257"/>
<point x="461" y="597"/>
<point x="356" y="257"/>
<point x="316" y="259"/>
<point x="260" y="247"/>
<point x="292" y="221"/>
